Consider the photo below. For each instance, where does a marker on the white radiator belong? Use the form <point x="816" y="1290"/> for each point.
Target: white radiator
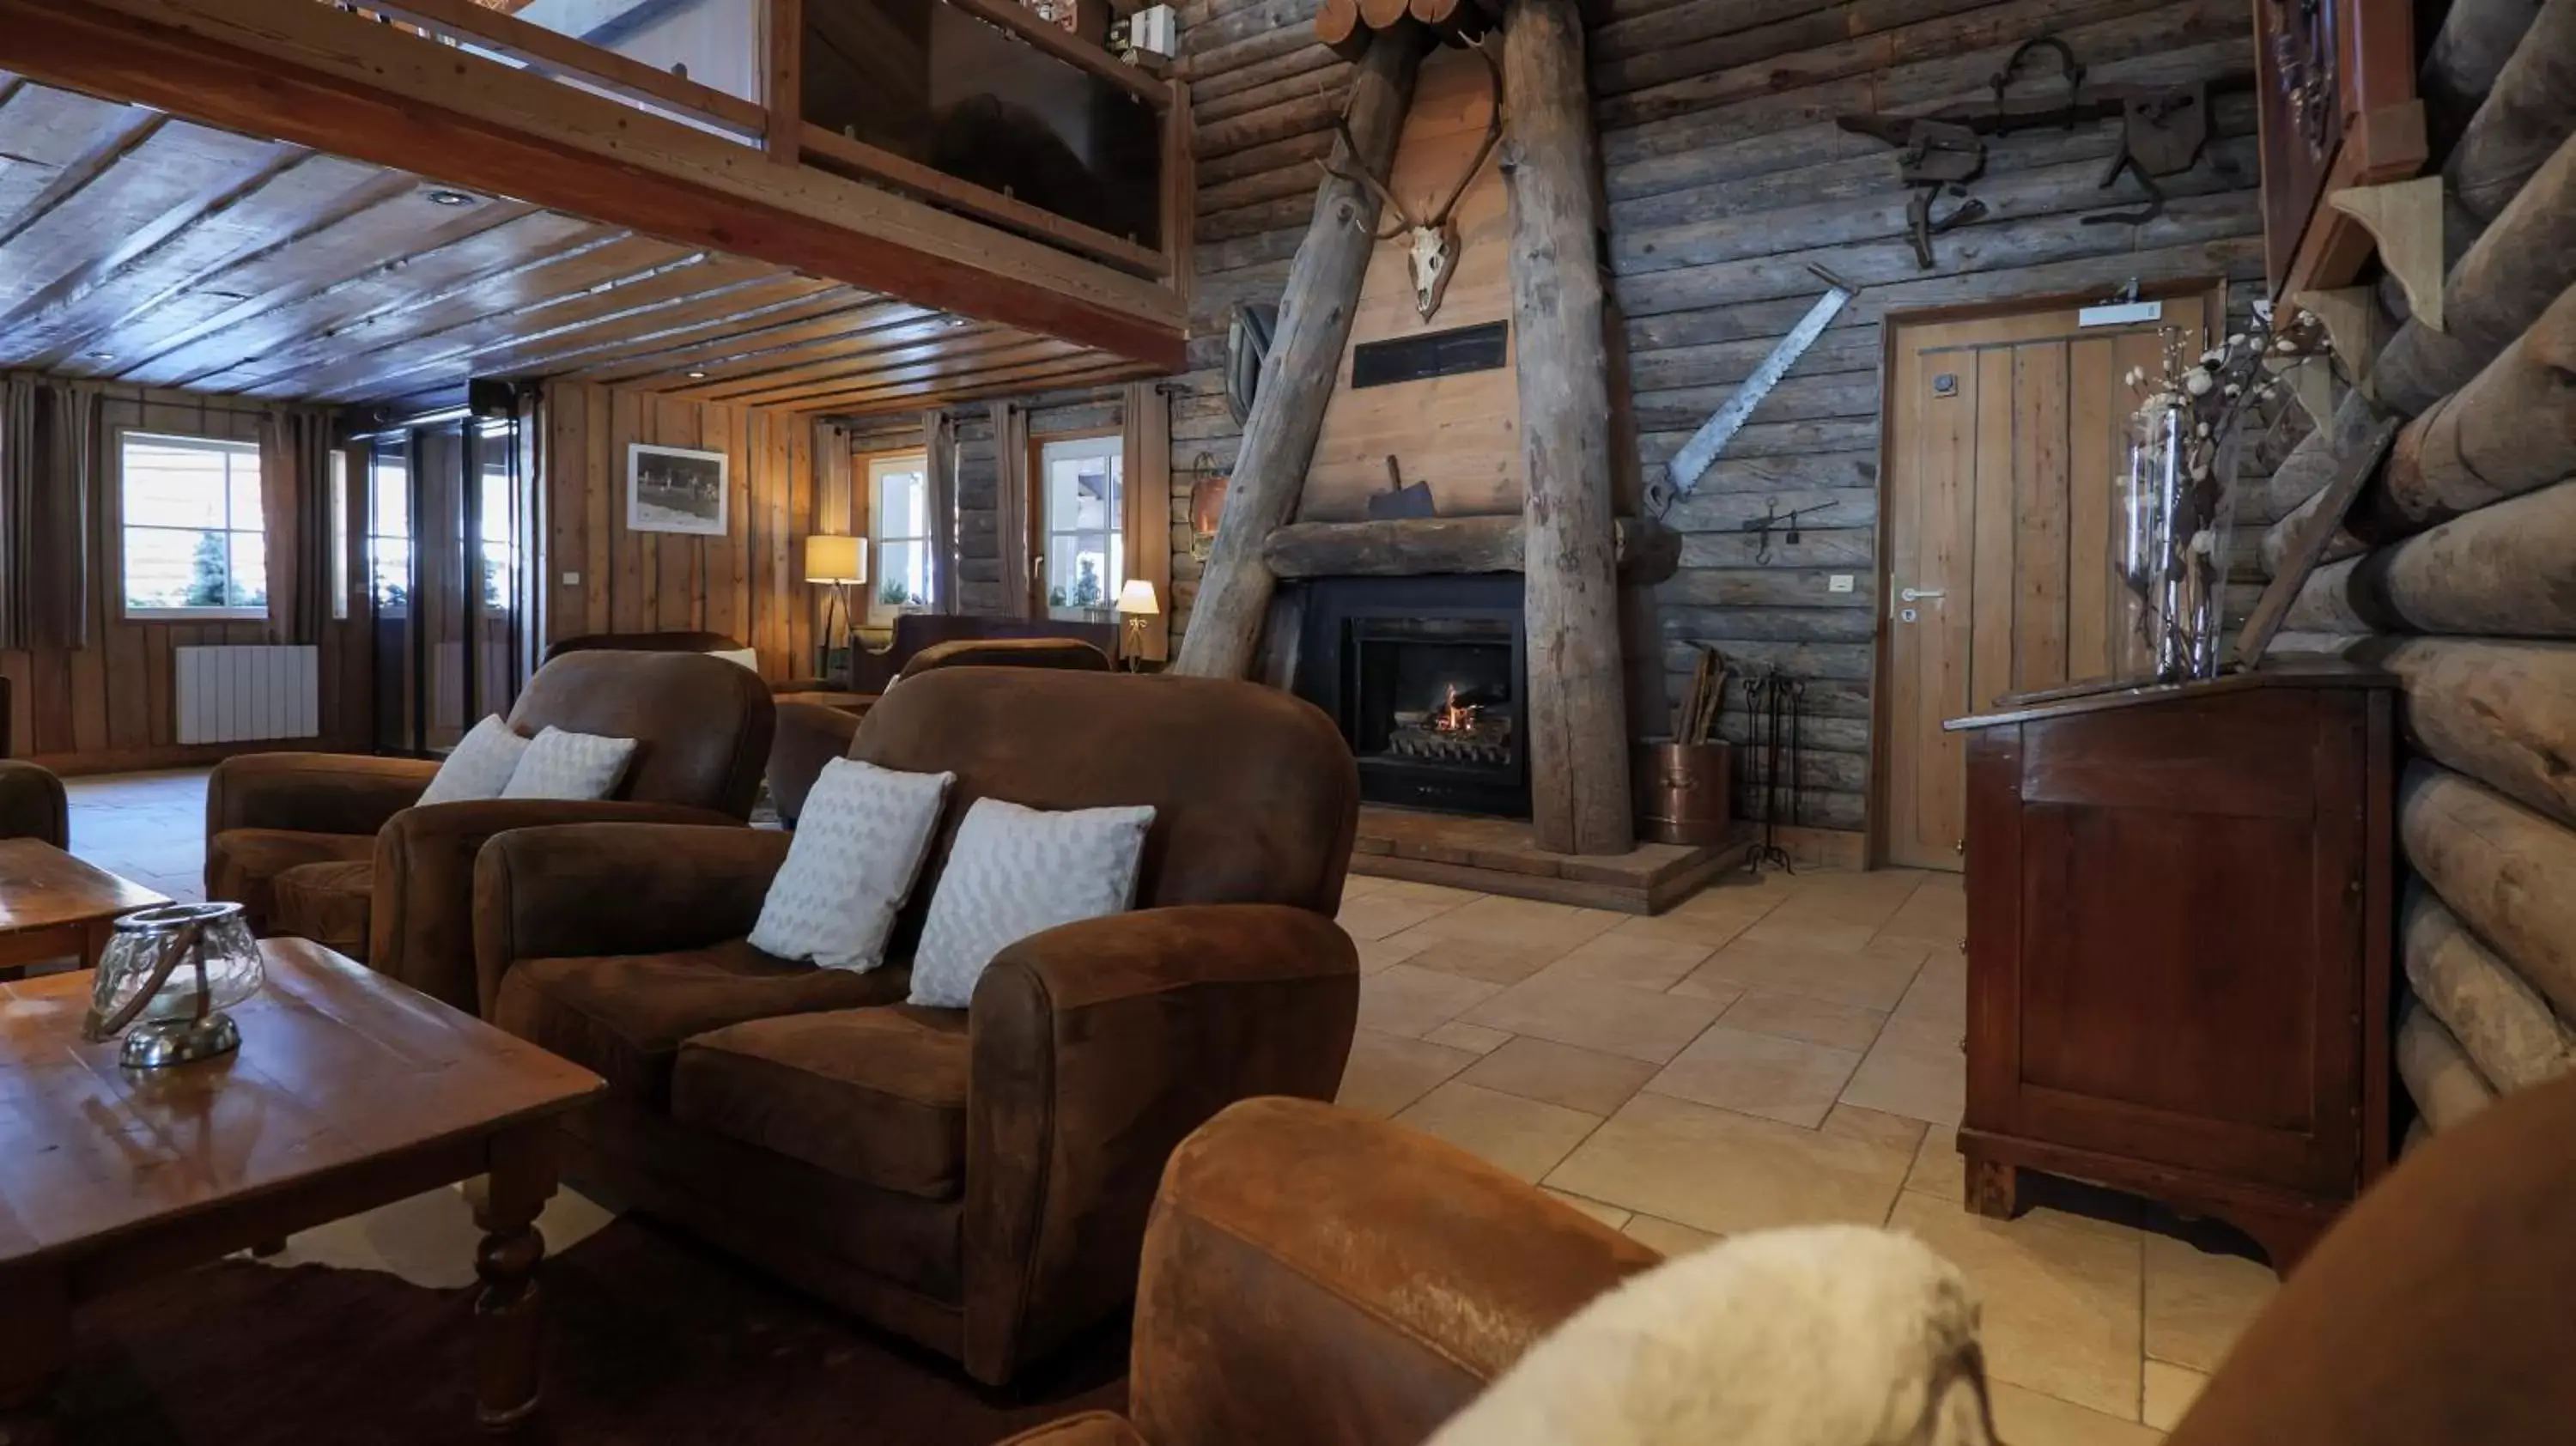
<point x="235" y="695"/>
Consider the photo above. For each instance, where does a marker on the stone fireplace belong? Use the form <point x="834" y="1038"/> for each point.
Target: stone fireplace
<point x="1428" y="678"/>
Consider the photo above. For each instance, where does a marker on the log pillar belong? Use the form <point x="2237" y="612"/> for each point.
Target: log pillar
<point x="1576" y="711"/>
<point x="1297" y="377"/>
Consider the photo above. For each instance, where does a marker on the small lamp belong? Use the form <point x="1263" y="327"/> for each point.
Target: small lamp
<point x="839" y="562"/>
<point x="1135" y="604"/>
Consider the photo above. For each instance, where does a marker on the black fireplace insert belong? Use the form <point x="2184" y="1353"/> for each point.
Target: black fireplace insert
<point x="1427" y="677"/>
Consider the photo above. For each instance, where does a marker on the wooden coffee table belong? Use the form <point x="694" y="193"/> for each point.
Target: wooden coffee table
<point x="52" y="904"/>
<point x="349" y="1091"/>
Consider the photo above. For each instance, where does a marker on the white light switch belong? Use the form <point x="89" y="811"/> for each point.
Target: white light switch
<point x="572" y="579"/>
<point x="1839" y="582"/>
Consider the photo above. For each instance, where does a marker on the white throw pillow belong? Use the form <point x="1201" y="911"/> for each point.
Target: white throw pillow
<point x="570" y="765"/>
<point x="747" y="657"/>
<point x="1019" y="871"/>
<point x="480" y="765"/>
<point x="858" y="847"/>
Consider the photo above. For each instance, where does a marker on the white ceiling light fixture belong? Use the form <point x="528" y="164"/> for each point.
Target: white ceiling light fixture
<point x="450" y="198"/>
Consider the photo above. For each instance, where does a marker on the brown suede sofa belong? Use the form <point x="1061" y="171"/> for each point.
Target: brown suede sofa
<point x="811" y="734"/>
<point x="976" y="1179"/>
<point x="874" y="670"/>
<point x="1282" y="1297"/>
<point x="331" y="847"/>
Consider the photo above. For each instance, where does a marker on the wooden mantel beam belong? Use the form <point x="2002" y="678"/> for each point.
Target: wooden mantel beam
<point x="326" y="78"/>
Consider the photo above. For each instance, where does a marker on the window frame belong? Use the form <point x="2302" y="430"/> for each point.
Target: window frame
<point x="1112" y="443"/>
<point x="127" y="610"/>
<point x="870" y="467"/>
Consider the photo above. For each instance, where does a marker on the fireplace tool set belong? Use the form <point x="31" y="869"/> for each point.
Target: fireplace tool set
<point x="1774" y="705"/>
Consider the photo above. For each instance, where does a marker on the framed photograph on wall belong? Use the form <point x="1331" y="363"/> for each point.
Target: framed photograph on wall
<point x="672" y="489"/>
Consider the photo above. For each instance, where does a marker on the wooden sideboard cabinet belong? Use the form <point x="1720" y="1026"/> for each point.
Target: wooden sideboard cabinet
<point x="2179" y="919"/>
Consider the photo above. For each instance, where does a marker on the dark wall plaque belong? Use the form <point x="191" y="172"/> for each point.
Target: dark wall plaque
<point x="1434" y="354"/>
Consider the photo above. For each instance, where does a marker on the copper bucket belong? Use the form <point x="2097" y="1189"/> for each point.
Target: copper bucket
<point x="1682" y="791"/>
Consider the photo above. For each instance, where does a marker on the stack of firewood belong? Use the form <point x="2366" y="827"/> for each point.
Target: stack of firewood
<point x="1695" y="715"/>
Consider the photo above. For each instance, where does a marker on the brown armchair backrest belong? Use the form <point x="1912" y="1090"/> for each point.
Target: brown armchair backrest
<point x="671" y="642"/>
<point x="916" y="631"/>
<point x="1254" y="791"/>
<point x="702" y="725"/>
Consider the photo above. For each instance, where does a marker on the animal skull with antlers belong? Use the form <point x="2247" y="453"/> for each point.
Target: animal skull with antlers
<point x="1431" y="253"/>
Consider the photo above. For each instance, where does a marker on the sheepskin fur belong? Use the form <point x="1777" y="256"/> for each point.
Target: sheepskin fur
<point x="1821" y="1336"/>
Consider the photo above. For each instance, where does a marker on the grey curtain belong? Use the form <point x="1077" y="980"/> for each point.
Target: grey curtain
<point x="939" y="446"/>
<point x="295" y="503"/>
<point x="49" y="450"/>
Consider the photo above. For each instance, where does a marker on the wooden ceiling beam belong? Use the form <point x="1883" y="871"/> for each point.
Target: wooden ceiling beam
<point x="1009" y="351"/>
<point x="848" y="351"/>
<point x="858" y="315"/>
<point x="680" y="325"/>
<point x="343" y="273"/>
<point x="944" y="347"/>
<point x="1090" y="369"/>
<point x="317" y="76"/>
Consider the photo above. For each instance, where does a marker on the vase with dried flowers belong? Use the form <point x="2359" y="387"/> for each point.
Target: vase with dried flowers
<point x="2174" y="510"/>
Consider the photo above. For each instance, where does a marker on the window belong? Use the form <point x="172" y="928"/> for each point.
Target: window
<point x="389" y="527"/>
<point x="195" y="545"/>
<point x="899" y="525"/>
<point x="1083" y="557"/>
<point x="339" y="535"/>
<point x="500" y="535"/>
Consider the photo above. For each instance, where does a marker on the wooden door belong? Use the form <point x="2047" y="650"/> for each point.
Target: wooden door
<point x="2004" y="435"/>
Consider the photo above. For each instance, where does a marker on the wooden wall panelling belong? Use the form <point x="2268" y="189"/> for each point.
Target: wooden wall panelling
<point x="1460" y="433"/>
<point x="748" y="583"/>
<point x="1146" y="419"/>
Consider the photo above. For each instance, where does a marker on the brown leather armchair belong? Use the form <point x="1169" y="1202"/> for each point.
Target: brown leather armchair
<point x="331" y="846"/>
<point x="975" y="1179"/>
<point x="1282" y="1299"/>
<point x="31" y="798"/>
<point x="32" y="804"/>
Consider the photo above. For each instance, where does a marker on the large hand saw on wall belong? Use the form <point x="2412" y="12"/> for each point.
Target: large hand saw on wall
<point x="1682" y="474"/>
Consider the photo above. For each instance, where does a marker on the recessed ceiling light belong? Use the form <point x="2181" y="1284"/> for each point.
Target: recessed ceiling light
<point x="697" y="376"/>
<point x="450" y="198"/>
<point x="955" y="322"/>
<point x="99" y="356"/>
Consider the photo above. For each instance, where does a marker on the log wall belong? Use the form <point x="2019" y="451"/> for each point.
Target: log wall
<point x="1726" y="177"/>
<point x="2457" y="568"/>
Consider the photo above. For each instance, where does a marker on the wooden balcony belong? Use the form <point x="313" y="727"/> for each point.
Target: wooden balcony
<point x="477" y="98"/>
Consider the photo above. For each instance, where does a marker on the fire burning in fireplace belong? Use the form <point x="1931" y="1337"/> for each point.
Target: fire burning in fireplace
<point x="1456" y="731"/>
<point x="1454" y="716"/>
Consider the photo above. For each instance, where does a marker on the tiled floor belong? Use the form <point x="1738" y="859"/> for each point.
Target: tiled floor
<point x="1780" y="1049"/>
<point x="1777" y="1050"/>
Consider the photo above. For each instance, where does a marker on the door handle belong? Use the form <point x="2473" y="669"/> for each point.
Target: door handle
<point x="1918" y="594"/>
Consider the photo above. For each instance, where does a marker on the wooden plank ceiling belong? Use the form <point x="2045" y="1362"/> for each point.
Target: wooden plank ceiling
<point x="140" y="248"/>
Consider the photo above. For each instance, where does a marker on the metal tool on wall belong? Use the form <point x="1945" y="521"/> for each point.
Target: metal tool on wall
<point x="1683" y="473"/>
<point x="2163" y="130"/>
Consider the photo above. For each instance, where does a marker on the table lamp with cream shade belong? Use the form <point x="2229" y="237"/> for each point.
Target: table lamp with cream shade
<point x="1135" y="604"/>
<point x="841" y="562"/>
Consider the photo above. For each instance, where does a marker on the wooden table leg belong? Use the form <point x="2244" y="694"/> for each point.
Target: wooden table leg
<point x="506" y="1314"/>
<point x="35" y="1334"/>
<point x="94" y="942"/>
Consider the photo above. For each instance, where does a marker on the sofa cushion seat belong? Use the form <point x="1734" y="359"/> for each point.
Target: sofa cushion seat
<point x="876" y="1096"/>
<point x="243" y="864"/>
<point x="328" y="903"/>
<point x="625" y="1016"/>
